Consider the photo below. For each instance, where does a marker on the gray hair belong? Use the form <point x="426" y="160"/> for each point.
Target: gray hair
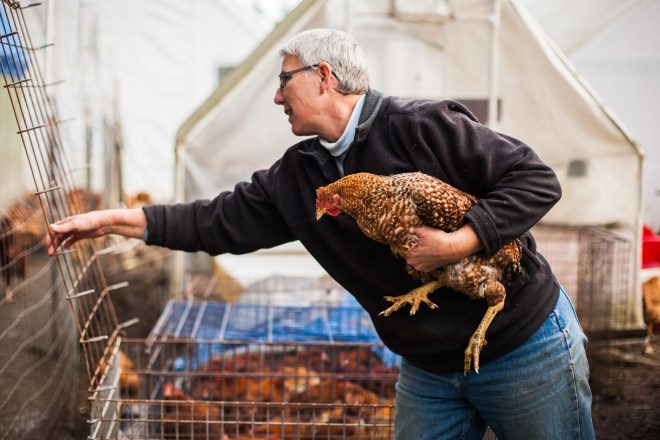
<point x="336" y="48"/>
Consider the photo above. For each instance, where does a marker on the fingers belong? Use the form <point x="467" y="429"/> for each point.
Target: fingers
<point x="50" y="244"/>
<point x="68" y="231"/>
<point x="64" y="225"/>
<point x="63" y="241"/>
<point x="430" y="251"/>
<point x="62" y="233"/>
<point x="53" y="241"/>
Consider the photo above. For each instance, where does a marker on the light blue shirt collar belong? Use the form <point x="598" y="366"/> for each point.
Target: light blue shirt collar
<point x="339" y="148"/>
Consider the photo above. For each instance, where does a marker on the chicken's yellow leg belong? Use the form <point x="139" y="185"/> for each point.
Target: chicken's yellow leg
<point x="415" y="297"/>
<point x="478" y="338"/>
<point x="648" y="348"/>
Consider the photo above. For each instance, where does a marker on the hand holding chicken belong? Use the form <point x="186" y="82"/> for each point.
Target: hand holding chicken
<point x="388" y="209"/>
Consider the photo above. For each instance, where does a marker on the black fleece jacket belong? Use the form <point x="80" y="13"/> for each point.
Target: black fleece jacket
<point x="441" y="138"/>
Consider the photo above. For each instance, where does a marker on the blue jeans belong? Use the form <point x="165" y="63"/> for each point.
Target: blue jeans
<point x="538" y="391"/>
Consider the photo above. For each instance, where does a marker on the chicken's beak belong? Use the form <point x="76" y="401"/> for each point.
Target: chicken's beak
<point x="320" y="212"/>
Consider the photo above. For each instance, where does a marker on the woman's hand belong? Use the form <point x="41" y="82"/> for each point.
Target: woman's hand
<point x="70" y="230"/>
<point x="437" y="248"/>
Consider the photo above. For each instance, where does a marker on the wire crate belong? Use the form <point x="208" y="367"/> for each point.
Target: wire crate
<point x="216" y="370"/>
<point x="594" y="266"/>
<point x="250" y="390"/>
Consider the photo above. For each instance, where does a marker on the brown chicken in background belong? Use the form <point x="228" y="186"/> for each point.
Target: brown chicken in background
<point x="387" y="208"/>
<point x="129" y="381"/>
<point x="22" y="228"/>
<point x="651" y="304"/>
<point x="188" y="419"/>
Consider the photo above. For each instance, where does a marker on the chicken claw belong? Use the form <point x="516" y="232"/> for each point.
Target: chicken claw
<point x="414" y="298"/>
<point x="478" y="338"/>
<point x="477" y="342"/>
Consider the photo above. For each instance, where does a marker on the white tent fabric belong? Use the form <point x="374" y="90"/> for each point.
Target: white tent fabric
<point x="568" y="123"/>
<point x="573" y="24"/>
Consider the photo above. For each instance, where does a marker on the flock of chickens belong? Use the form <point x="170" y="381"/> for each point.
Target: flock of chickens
<point x="339" y="393"/>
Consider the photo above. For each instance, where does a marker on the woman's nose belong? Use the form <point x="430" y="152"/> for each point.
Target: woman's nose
<point x="279" y="100"/>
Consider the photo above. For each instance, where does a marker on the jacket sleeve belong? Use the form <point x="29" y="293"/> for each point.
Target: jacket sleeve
<point x="514" y="186"/>
<point x="238" y="221"/>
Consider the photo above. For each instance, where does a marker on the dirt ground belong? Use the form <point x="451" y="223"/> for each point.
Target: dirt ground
<point x="626" y="389"/>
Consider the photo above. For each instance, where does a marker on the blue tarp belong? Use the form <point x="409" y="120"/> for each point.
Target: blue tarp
<point x="218" y="321"/>
<point x="228" y="322"/>
<point x="13" y="57"/>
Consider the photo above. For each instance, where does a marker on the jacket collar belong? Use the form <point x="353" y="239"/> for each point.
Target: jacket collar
<point x="372" y="103"/>
<point x="326" y="162"/>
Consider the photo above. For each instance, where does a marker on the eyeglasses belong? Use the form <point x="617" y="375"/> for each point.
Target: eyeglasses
<point x="286" y="76"/>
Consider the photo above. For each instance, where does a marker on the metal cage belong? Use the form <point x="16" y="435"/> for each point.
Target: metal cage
<point x="593" y="265"/>
<point x="249" y="390"/>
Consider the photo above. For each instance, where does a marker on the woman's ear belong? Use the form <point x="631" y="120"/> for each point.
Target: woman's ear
<point x="326" y="75"/>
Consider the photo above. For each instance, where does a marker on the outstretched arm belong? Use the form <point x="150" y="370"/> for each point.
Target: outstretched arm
<point x="437" y="248"/>
<point x="66" y="232"/>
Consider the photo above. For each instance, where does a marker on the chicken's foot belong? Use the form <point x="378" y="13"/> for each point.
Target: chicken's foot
<point x="415" y="297"/>
<point x="648" y="348"/>
<point x="478" y="338"/>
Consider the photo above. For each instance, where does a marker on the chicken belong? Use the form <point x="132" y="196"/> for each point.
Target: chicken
<point x="651" y="304"/>
<point x="281" y="427"/>
<point x="250" y="437"/>
<point x="188" y="419"/>
<point x="387" y="208"/>
<point x="21" y="230"/>
<point x="138" y="200"/>
<point x="382" y="421"/>
<point x="366" y="363"/>
<point x="129" y="381"/>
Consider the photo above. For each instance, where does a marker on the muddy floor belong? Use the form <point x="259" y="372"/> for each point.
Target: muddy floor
<point x="626" y="389"/>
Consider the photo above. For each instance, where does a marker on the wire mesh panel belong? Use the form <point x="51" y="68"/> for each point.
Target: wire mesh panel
<point x="255" y="390"/>
<point x="55" y="191"/>
<point x="560" y="246"/>
<point x="37" y="331"/>
<point x="604" y="274"/>
<point x="43" y="299"/>
<point x="593" y="265"/>
<point x="38" y="348"/>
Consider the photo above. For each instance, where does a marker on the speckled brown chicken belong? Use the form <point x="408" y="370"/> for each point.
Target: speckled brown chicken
<point x="387" y="208"/>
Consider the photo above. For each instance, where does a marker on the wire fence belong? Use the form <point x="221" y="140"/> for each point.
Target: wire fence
<point x="39" y="345"/>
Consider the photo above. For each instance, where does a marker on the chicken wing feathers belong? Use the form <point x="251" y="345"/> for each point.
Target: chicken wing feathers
<point x="388" y="208"/>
